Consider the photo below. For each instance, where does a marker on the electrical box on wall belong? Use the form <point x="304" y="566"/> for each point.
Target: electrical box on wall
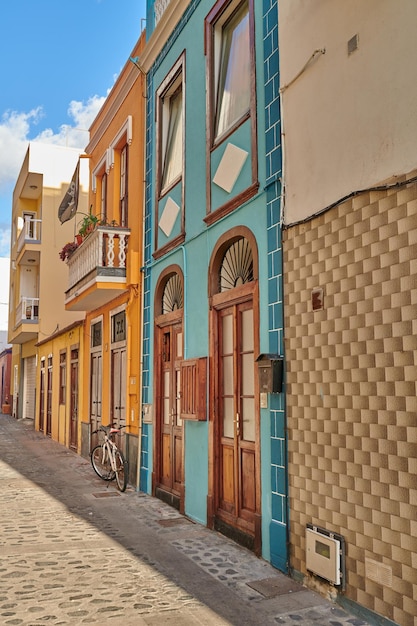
<point x="270" y="371"/>
<point x="147" y="413"/>
<point x="325" y="554"/>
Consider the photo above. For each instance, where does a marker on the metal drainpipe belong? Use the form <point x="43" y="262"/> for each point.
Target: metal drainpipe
<point x="141" y="300"/>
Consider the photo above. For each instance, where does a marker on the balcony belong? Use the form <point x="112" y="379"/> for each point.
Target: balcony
<point x="28" y="243"/>
<point x="97" y="269"/>
<point x="159" y="8"/>
<point x="26" y="320"/>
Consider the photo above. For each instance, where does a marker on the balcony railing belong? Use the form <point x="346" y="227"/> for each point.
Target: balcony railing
<point x="30" y="233"/>
<point x="159" y="8"/>
<point x="27" y="310"/>
<point x="105" y="247"/>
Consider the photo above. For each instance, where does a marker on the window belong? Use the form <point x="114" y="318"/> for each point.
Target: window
<point x="231" y="125"/>
<point x="103" y="197"/>
<point x="123" y="186"/>
<point x="230" y="51"/>
<point x="96" y="335"/>
<point x="62" y="377"/>
<point x="170" y="128"/>
<point x="172" y="297"/>
<point x="118" y="327"/>
<point x="172" y="166"/>
<point x="233" y="79"/>
<point x="237" y="265"/>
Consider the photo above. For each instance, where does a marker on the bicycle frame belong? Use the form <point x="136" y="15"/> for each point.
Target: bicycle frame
<point x="108" y="460"/>
<point x="109" y="447"/>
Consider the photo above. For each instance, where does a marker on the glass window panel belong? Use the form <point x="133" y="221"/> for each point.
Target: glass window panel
<point x="248" y="375"/>
<point x="172" y="167"/>
<point x="227" y="375"/>
<point x="119" y="327"/>
<point x="178" y="397"/>
<point x="96" y="334"/>
<point x="227" y="327"/>
<point x="228" y="430"/>
<point x="247" y="330"/>
<point x="167" y="412"/>
<point x="248" y="417"/>
<point x="179" y="345"/>
<point x="233" y="94"/>
<point x="103" y="198"/>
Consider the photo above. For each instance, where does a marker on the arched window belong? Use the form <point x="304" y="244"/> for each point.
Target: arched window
<point x="237" y="265"/>
<point x="172" y="294"/>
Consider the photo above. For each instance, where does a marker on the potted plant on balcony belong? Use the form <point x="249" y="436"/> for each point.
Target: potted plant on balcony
<point x="67" y="250"/>
<point x="88" y="224"/>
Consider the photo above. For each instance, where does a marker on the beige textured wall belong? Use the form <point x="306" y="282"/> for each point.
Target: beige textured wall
<point x="352" y="392"/>
<point x="347" y="118"/>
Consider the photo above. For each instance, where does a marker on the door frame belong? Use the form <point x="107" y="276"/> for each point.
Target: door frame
<point x="118" y="346"/>
<point x="217" y="301"/>
<point x="95" y="378"/>
<point x="74" y="397"/>
<point x="163" y="321"/>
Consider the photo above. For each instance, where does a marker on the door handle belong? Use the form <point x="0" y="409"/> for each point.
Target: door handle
<point x="236" y="421"/>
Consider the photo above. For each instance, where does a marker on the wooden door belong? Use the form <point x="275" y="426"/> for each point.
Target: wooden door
<point x="170" y="445"/>
<point x="95" y="395"/>
<point x="42" y="398"/>
<point x="73" y="429"/>
<point x="237" y="427"/>
<point x="49" y="399"/>
<point x="29" y="388"/>
<point x="118" y="405"/>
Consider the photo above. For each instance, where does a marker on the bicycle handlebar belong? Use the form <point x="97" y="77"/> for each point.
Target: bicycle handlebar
<point x="107" y="429"/>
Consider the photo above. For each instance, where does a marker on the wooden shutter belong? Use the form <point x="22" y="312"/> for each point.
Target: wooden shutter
<point x="194" y="389"/>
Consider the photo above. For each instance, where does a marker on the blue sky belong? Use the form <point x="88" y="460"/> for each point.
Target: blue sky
<point x="58" y="60"/>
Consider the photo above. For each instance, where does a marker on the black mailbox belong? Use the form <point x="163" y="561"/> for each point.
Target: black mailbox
<point x="270" y="370"/>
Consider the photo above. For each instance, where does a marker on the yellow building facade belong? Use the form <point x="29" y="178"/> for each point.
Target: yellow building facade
<point x="36" y="299"/>
<point x="104" y="279"/>
<point x="60" y="385"/>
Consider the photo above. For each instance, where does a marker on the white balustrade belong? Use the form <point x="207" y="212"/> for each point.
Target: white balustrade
<point x="159" y="8"/>
<point x="98" y="250"/>
<point x="27" y="310"/>
<point x="30" y="233"/>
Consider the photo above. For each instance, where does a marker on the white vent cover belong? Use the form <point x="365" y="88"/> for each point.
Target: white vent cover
<point x="324" y="552"/>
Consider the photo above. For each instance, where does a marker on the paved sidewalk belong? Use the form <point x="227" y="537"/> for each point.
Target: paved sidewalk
<point x="75" y="551"/>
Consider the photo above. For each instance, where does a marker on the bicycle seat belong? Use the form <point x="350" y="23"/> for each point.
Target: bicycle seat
<point x="114" y="430"/>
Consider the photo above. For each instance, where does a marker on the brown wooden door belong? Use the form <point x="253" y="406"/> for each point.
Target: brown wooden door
<point x="42" y="398"/>
<point x="73" y="430"/>
<point x="49" y="399"/>
<point x="170" y="452"/>
<point x="118" y="405"/>
<point x="95" y="395"/>
<point x="237" y="477"/>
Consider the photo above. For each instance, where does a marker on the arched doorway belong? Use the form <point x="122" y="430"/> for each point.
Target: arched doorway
<point x="168" y="474"/>
<point x="234" y="488"/>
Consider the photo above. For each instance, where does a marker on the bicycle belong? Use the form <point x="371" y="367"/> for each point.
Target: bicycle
<point x="107" y="460"/>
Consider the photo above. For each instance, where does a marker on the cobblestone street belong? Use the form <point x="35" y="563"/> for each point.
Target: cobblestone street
<point x="76" y="551"/>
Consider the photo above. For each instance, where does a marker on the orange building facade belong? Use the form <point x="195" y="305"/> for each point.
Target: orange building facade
<point x="104" y="271"/>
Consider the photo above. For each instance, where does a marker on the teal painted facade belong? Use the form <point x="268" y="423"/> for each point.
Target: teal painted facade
<point x="197" y="233"/>
<point x="278" y="525"/>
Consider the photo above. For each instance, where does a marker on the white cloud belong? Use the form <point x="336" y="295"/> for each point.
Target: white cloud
<point x="5" y="234"/>
<point x="16" y="130"/>
<point x="74" y="135"/>
<point x="4" y="292"/>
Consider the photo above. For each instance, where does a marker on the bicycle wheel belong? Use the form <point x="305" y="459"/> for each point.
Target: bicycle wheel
<point x="121" y="470"/>
<point x="100" y="461"/>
